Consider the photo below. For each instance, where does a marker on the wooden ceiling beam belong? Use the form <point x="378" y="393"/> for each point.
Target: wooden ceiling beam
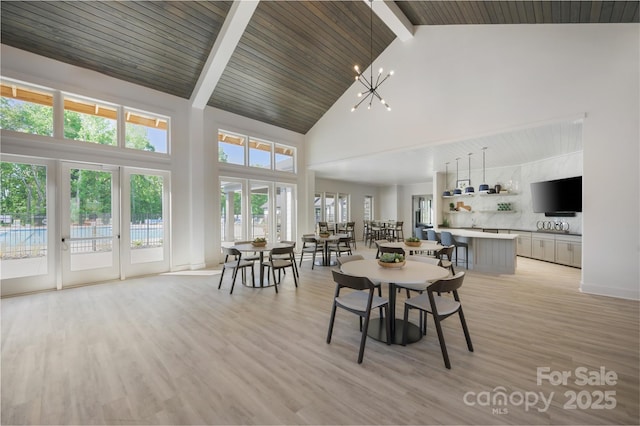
<point x="393" y="18"/>
<point x="234" y="25"/>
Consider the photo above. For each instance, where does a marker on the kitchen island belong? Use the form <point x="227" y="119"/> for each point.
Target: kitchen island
<point x="488" y="252"/>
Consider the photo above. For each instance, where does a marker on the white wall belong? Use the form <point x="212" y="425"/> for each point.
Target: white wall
<point x="456" y="82"/>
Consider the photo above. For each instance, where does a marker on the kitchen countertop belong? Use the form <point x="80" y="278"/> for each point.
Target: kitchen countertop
<point x="478" y="234"/>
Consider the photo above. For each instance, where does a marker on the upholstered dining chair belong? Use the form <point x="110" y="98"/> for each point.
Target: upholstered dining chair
<point x="236" y="263"/>
<point x="440" y="307"/>
<point x="361" y="302"/>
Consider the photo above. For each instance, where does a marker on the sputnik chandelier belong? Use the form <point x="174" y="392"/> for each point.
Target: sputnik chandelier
<point x="371" y="89"/>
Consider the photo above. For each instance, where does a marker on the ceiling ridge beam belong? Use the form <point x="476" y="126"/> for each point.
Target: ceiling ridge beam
<point x="234" y="25"/>
<point x="393" y="17"/>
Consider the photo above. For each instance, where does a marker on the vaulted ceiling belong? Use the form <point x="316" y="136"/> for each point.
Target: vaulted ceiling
<point x="293" y="60"/>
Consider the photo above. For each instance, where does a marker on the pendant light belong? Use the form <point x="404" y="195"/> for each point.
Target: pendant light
<point x="457" y="191"/>
<point x="483" y="186"/>
<point x="371" y="87"/>
<point x="446" y="192"/>
<point x="469" y="189"/>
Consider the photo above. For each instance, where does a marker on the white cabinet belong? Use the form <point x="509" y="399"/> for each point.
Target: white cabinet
<point x="524" y="244"/>
<point x="569" y="250"/>
<point x="543" y="247"/>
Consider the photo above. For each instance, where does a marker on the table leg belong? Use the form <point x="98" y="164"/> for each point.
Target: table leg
<point x="377" y="328"/>
<point x="261" y="269"/>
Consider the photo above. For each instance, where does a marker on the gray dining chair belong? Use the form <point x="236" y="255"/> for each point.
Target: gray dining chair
<point x="361" y="302"/>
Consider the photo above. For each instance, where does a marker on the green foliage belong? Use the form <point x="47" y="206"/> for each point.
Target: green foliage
<point x="136" y="138"/>
<point x="146" y="196"/>
<point x="89" y="128"/>
<point x="391" y="258"/>
<point x="26" y="117"/>
<point x="24" y="189"/>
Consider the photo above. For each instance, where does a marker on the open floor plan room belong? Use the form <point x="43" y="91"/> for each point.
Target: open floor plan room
<point x="173" y="349"/>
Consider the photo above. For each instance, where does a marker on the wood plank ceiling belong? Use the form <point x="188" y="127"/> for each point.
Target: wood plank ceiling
<point x="294" y="60"/>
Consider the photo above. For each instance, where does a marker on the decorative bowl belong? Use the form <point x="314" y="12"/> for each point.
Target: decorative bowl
<point x="412" y="243"/>
<point x="324" y="234"/>
<point x="396" y="265"/>
<point x="259" y="243"/>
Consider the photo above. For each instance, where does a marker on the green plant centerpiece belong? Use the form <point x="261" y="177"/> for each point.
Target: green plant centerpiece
<point x="391" y="260"/>
<point x="259" y="242"/>
<point x="413" y="242"/>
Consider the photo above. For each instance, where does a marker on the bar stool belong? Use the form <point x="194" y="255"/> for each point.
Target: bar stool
<point x="447" y="239"/>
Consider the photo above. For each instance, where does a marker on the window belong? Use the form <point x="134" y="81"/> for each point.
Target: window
<point x="368" y="207"/>
<point x="343" y="208"/>
<point x="260" y="153"/>
<point x="231" y="148"/>
<point x="25" y="109"/>
<point x="90" y="121"/>
<point x="285" y="156"/>
<point x="145" y="132"/>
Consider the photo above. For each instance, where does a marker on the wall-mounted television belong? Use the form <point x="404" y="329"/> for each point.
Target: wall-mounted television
<point x="560" y="197"/>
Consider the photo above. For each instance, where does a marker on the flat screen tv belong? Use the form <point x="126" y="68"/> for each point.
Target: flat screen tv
<point x="560" y="197"/>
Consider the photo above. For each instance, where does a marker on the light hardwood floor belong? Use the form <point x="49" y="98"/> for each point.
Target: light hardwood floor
<point x="173" y="349"/>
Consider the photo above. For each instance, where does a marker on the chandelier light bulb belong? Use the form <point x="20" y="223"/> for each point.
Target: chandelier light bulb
<point x="382" y="102"/>
<point x="357" y="68"/>
<point x="391" y="72"/>
<point x="360" y="94"/>
<point x="380" y="71"/>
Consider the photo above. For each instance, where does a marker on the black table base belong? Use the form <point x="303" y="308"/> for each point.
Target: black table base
<point x="377" y="331"/>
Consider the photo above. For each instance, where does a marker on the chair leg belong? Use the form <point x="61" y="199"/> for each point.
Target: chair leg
<point x="273" y="274"/>
<point x="466" y="330"/>
<point x="333" y="317"/>
<point x="443" y="346"/>
<point x="221" y="276"/>
<point x="233" y="283"/>
<point x="363" y="339"/>
<point x="295" y="275"/>
<point x="253" y="276"/>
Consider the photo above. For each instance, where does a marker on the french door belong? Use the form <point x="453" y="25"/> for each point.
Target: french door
<point x="89" y="223"/>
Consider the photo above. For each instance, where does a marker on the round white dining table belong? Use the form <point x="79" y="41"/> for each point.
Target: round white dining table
<point x="413" y="272"/>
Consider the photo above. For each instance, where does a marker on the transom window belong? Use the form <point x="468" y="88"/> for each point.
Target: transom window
<point x="26" y="109"/>
<point x="234" y="149"/>
<point x="29" y="109"/>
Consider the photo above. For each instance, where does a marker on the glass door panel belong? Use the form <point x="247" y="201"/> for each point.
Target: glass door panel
<point x="26" y="225"/>
<point x="259" y="205"/>
<point x="145" y="236"/>
<point x="90" y="224"/>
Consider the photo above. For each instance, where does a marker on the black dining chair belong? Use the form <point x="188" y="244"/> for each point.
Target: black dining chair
<point x="236" y="263"/>
<point x="279" y="259"/>
<point x="440" y="307"/>
<point x="361" y="302"/>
